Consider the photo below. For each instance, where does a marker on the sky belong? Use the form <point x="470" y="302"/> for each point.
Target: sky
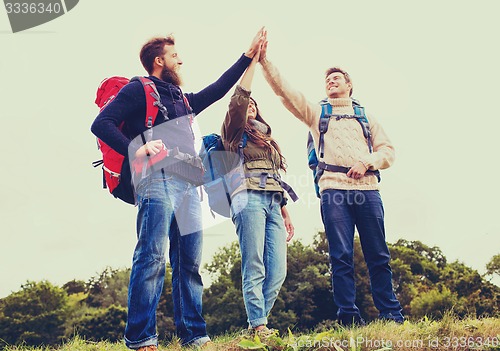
<point x="427" y="70"/>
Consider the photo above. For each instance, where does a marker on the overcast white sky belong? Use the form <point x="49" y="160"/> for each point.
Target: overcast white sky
<point x="428" y="70"/>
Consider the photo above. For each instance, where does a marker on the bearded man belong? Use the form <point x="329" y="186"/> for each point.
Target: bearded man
<point x="165" y="193"/>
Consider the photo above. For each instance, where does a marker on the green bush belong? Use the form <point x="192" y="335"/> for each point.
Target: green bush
<point x="34" y="315"/>
<point x="435" y="303"/>
<point x="103" y="324"/>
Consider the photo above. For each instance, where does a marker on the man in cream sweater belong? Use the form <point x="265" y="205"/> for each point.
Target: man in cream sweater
<point x="348" y="199"/>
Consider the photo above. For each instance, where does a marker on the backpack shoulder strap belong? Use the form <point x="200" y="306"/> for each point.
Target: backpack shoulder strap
<point x="153" y="102"/>
<point x="312" y="159"/>
<point x="189" y="109"/>
<point x="324" y="120"/>
<point x="242" y="145"/>
<point x="186" y="102"/>
<point x="244" y="139"/>
<point x="359" y="113"/>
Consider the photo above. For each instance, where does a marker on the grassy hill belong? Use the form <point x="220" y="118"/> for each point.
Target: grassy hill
<point x="446" y="334"/>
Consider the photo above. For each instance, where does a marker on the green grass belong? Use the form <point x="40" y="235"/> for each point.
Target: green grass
<point x="446" y="334"/>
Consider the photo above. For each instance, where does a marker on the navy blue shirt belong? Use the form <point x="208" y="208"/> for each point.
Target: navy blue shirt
<point x="129" y="106"/>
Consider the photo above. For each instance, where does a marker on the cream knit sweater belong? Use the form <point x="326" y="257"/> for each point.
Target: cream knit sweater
<point x="345" y="143"/>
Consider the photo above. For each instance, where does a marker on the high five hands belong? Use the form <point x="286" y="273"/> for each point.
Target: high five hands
<point x="257" y="43"/>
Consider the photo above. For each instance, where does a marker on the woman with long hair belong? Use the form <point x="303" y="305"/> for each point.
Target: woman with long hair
<point x="259" y="211"/>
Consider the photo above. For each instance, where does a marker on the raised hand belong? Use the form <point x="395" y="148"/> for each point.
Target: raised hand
<point x="256" y="43"/>
<point x="263" y="48"/>
<point x="256" y="57"/>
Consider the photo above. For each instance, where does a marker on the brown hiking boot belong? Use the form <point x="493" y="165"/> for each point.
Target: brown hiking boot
<point x="266" y="333"/>
<point x="209" y="346"/>
<point x="148" y="348"/>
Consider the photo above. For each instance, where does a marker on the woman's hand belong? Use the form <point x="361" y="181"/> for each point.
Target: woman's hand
<point x="288" y="223"/>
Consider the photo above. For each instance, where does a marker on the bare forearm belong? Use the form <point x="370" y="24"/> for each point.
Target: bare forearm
<point x="246" y="80"/>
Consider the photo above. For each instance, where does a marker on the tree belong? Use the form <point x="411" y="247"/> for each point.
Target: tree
<point x="165" y="311"/>
<point x="412" y="271"/>
<point x="306" y="287"/>
<point x="305" y="299"/>
<point x="306" y="292"/>
<point x="103" y="314"/>
<point x="103" y="324"/>
<point x="481" y="296"/>
<point x="34" y="315"/>
<point x="433" y="254"/>
<point x="109" y="288"/>
<point x="424" y="281"/>
<point x="493" y="267"/>
<point x="75" y="287"/>
<point x="223" y="306"/>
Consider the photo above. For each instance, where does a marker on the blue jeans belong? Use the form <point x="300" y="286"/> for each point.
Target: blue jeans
<point x="341" y="211"/>
<point x="262" y="237"/>
<point x="168" y="209"/>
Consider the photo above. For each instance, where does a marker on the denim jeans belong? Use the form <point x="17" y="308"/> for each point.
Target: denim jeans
<point x="262" y="237"/>
<point x="168" y="210"/>
<point x="341" y="211"/>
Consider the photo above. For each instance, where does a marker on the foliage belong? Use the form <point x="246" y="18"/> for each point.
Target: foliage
<point x="103" y="313"/>
<point x="434" y="303"/>
<point x="482" y="298"/>
<point x="305" y="299"/>
<point x="493" y="267"/>
<point x="222" y="301"/>
<point x="34" y="315"/>
<point x="75" y="287"/>
<point x="421" y="274"/>
<point x="431" y="254"/>
<point x="103" y="324"/>
<point x="306" y="296"/>
<point x="165" y="311"/>
<point x="424" y="282"/>
<point x="109" y="288"/>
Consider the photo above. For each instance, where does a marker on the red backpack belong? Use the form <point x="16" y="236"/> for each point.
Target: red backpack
<point x="116" y="169"/>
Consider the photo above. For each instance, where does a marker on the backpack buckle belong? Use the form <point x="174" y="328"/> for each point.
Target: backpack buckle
<point x="323" y="124"/>
<point x="263" y="180"/>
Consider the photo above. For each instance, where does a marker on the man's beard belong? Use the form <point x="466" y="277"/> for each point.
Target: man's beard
<point x="170" y="76"/>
